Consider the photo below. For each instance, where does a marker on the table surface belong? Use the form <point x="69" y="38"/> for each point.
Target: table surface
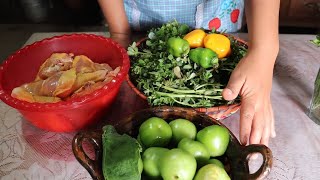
<point x="27" y="152"/>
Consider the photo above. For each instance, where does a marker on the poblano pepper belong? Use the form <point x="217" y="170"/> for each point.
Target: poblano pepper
<point x="178" y="47"/>
<point x="204" y="56"/>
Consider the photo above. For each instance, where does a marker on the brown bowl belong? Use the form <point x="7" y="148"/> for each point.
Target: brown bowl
<point x="216" y="112"/>
<point x="235" y="159"/>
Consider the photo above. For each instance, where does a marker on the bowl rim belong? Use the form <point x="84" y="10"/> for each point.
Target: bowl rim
<point x="72" y="102"/>
<point x="201" y="109"/>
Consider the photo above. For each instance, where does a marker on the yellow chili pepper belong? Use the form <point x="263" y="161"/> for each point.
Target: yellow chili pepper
<point x="195" y="38"/>
<point x="219" y="43"/>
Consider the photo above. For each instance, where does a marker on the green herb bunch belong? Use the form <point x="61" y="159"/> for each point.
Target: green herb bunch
<point x="167" y="80"/>
<point x="316" y="41"/>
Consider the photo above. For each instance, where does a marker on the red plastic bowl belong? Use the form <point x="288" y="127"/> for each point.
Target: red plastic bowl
<point x="76" y="113"/>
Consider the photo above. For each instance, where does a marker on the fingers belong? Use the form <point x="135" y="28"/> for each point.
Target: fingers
<point x="272" y="126"/>
<point x="262" y="125"/>
<point x="258" y="126"/>
<point x="247" y="112"/>
<point x="234" y="86"/>
<point x="256" y="120"/>
<point x="267" y="124"/>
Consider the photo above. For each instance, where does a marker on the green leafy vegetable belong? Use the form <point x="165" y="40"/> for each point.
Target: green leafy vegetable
<point x="121" y="156"/>
<point x="316" y="41"/>
<point x="179" y="81"/>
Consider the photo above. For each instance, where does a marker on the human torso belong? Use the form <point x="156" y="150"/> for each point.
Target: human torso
<point x="223" y="15"/>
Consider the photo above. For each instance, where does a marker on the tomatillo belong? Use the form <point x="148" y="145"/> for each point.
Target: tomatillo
<point x="215" y="138"/>
<point x="155" y="132"/>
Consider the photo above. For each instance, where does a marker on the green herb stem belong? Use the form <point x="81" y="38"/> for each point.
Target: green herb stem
<point x="203" y="85"/>
<point x="185" y="104"/>
<point x="187" y="95"/>
<point x="144" y="53"/>
<point x="201" y="91"/>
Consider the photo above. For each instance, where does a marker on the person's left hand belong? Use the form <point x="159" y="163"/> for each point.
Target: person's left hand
<point x="252" y="80"/>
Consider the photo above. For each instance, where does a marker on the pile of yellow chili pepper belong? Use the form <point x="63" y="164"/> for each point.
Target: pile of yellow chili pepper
<point x="206" y="49"/>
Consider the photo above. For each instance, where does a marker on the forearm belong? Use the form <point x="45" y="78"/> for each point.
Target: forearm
<point x="116" y="18"/>
<point x="262" y="20"/>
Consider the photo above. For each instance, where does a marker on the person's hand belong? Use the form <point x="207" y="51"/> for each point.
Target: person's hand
<point x="252" y="80"/>
<point x="123" y="39"/>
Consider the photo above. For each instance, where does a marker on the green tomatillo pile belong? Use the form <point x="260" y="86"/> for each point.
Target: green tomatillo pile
<point x="168" y="72"/>
<point x="176" y="149"/>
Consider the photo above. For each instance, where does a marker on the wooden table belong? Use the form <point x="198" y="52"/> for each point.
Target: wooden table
<point x="27" y="152"/>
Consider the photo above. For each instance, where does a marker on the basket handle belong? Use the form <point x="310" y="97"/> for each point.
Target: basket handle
<point x="92" y="166"/>
<point x="266" y="153"/>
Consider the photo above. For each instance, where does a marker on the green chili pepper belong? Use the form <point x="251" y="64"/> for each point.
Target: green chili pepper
<point x="194" y="54"/>
<point x="204" y="56"/>
<point x="178" y="47"/>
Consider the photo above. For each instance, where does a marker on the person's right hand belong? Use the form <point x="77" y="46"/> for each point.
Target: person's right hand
<point x="252" y="80"/>
<point x="123" y="39"/>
